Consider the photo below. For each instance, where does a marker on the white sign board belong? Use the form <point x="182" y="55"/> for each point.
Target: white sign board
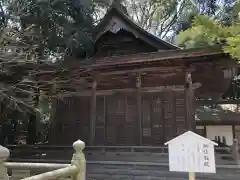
<point x="190" y="152"/>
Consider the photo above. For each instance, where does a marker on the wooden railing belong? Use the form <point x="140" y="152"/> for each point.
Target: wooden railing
<point x="76" y="170"/>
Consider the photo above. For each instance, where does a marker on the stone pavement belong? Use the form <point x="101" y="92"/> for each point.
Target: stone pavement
<point x="152" y="171"/>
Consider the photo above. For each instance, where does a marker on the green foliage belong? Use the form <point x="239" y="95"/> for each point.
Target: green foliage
<point x="233" y="46"/>
<point x="219" y="11"/>
<point x="56" y="26"/>
<point x="31" y="33"/>
<point x="200" y="34"/>
<point x="34" y="31"/>
<point x="206" y="31"/>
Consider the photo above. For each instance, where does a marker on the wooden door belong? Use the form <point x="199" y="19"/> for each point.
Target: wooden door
<point x="158" y="131"/>
<point x="146" y="119"/>
<point x="69" y="130"/>
<point x="169" y="115"/>
<point x="180" y="114"/>
<point x="100" y="120"/>
<point x="160" y="117"/>
<point x="130" y="122"/>
<point x="82" y="117"/>
<point x="114" y="119"/>
<point x="120" y="109"/>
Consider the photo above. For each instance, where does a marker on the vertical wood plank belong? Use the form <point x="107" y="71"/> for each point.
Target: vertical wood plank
<point x="131" y="134"/>
<point x="180" y="113"/>
<point x="146" y="120"/>
<point x="100" y="122"/>
<point x="104" y="116"/>
<point x="190" y="121"/>
<point x="168" y="115"/>
<point x="93" y="113"/>
<point x="233" y="131"/>
<point x="205" y="131"/>
<point x="139" y="108"/>
<point x="158" y="127"/>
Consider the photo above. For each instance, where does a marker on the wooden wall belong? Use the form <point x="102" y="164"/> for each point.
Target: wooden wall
<point x="163" y="117"/>
<point x="121" y="43"/>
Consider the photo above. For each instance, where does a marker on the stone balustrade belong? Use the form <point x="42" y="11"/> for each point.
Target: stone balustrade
<point x="76" y="170"/>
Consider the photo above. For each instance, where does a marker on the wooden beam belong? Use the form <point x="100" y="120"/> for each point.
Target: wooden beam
<point x="142" y="90"/>
<point x="145" y="70"/>
<point x="233" y="131"/>
<point x="139" y="107"/>
<point x="93" y="113"/>
<point x="189" y="95"/>
<point x="111" y="78"/>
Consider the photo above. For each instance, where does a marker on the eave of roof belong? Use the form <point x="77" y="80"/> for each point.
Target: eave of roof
<point x="117" y="12"/>
<point x="153" y="57"/>
<point x="185" y="56"/>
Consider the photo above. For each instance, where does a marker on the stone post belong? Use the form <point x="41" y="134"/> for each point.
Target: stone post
<point x="79" y="160"/>
<point x="4" y="154"/>
<point x="235" y="150"/>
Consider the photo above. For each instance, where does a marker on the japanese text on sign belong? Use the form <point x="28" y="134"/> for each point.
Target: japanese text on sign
<point x="206" y="156"/>
<point x="190" y="152"/>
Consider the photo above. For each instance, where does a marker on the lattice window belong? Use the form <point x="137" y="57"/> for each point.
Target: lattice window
<point x="146" y="132"/>
<point x="157" y="104"/>
<point x="180" y="118"/>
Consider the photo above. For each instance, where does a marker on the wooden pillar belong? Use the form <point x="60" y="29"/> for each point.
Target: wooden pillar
<point x="93" y="114"/>
<point x="139" y="108"/>
<point x="189" y="103"/>
<point x="233" y="132"/>
<point x="205" y="131"/>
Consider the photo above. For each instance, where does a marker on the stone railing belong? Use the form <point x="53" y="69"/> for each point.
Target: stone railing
<point x="76" y="170"/>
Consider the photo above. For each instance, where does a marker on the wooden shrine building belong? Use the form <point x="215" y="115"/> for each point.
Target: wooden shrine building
<point x="136" y="89"/>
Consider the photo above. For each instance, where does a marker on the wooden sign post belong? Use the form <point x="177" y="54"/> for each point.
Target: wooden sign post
<point x="191" y="153"/>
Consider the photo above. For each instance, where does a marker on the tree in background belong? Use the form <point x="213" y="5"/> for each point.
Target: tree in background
<point x="220" y="11"/>
<point x="166" y="18"/>
<point x="155" y="16"/>
<point x="58" y="28"/>
<point x="33" y="34"/>
<point x="207" y="31"/>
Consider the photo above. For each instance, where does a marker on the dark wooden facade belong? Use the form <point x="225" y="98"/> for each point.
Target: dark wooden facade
<point x="139" y="90"/>
<point x="163" y="116"/>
